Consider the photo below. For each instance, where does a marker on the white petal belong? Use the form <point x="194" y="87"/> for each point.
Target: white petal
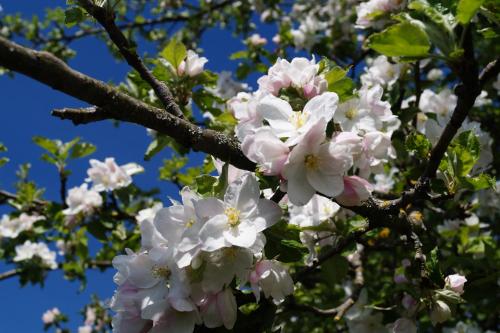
<point x="243" y="235"/>
<point x="243" y="194"/>
<point x="330" y="185"/>
<point x="227" y="306"/>
<point x="299" y="190"/>
<point x="268" y="213"/>
<point x="322" y="106"/>
<point x="211" y="234"/>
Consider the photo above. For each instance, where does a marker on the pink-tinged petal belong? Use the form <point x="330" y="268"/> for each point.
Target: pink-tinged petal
<point x="211" y="234"/>
<point x="330" y="185"/>
<point x="269" y="213"/>
<point x="299" y="190"/>
<point x="322" y="106"/>
<point x="243" y="194"/>
<point x="210" y="312"/>
<point x="356" y="190"/>
<point x="242" y="235"/>
<point x="226" y="303"/>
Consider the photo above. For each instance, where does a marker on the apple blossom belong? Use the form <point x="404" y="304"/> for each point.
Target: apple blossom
<point x="12" y="227"/>
<point x="319" y="209"/>
<point x="316" y="165"/>
<point x="368" y="12"/>
<point x="381" y="72"/>
<point x="435" y="74"/>
<point x="226" y="87"/>
<point x="272" y="278"/>
<point x="218" y="309"/>
<point x="28" y="250"/>
<point x="49" y="316"/>
<point x="82" y="200"/>
<point x="293" y="125"/>
<point x="244" y="108"/>
<point x="108" y="176"/>
<point x="149" y="234"/>
<point x="267" y="150"/>
<point x="192" y="65"/>
<point x="440" y="312"/>
<point x="300" y="73"/>
<point x="356" y="190"/>
<point x="257" y="40"/>
<point x="239" y="218"/>
<point x="456" y="283"/>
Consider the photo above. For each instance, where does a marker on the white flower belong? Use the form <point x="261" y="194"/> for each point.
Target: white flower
<point x="482" y="99"/>
<point x="441" y="104"/>
<point x="28" y="250"/>
<point x="360" y="319"/>
<point x="306" y="35"/>
<point x="267" y="150"/>
<point x="239" y="218"/>
<point x="227" y="87"/>
<point x="218" y="309"/>
<point x="82" y="200"/>
<point x="385" y="182"/>
<point x="376" y="151"/>
<point x="49" y="316"/>
<point x="257" y="40"/>
<point x="150" y="237"/>
<point x="192" y="65"/>
<point x="319" y="209"/>
<point x="455" y="282"/>
<point x="381" y="72"/>
<point x="85" y="329"/>
<point x="300" y="73"/>
<point x="356" y="190"/>
<point x="108" y="176"/>
<point x="440" y="312"/>
<point x="435" y="74"/>
<point x="368" y="12"/>
<point x="12" y="227"/>
<point x="316" y="165"/>
<point x="293" y="125"/>
<point x="272" y="278"/>
<point x="244" y="108"/>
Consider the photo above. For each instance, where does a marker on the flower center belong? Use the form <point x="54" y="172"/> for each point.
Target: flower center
<point x="233" y="216"/>
<point x="298" y="119"/>
<point x="190" y="223"/>
<point x="351" y="113"/>
<point x="312" y="162"/>
<point x="161" y="272"/>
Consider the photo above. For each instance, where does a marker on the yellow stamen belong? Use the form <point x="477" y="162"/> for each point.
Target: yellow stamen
<point x="161" y="272"/>
<point x="233" y="216"/>
<point x="298" y="119"/>
<point x="312" y="162"/>
<point x="351" y="113"/>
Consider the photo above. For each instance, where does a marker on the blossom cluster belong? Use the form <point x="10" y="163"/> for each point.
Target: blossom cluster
<point x="369" y="12"/>
<point x="194" y="255"/>
<point x="296" y="144"/>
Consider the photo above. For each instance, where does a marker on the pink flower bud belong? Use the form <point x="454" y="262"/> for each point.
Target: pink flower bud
<point x="455" y="282"/>
<point x="356" y="190"/>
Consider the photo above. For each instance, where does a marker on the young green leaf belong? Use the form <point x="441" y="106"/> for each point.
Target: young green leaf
<point x="174" y="53"/>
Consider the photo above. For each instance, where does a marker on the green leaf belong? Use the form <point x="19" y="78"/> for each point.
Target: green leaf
<point x="239" y="55"/>
<point x="334" y="270"/>
<point x="174" y="52"/>
<point x="335" y="74"/>
<point x="404" y="39"/>
<point x="157" y="145"/>
<point x="466" y="9"/>
<point x="52" y="146"/>
<point x="418" y="144"/>
<point x="483" y="181"/>
<point x="343" y="87"/>
<point x="205" y="184"/>
<point x="219" y="187"/>
<point x="73" y="16"/>
<point x="82" y="149"/>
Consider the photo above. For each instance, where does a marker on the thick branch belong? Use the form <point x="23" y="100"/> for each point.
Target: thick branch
<point x="107" y="20"/>
<point x="113" y="104"/>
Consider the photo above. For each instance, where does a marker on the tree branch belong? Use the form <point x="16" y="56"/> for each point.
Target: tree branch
<point x="107" y="20"/>
<point x="113" y="104"/>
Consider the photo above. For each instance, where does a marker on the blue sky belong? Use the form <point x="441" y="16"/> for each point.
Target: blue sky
<point x="26" y="107"/>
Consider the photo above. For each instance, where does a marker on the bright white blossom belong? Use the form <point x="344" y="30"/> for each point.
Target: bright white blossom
<point x="257" y="40"/>
<point x="192" y="65"/>
<point x="381" y="72"/>
<point x="82" y="200"/>
<point x="440" y="312"/>
<point x="435" y="74"/>
<point x="50" y="315"/>
<point x="272" y="278"/>
<point x="28" y="250"/>
<point x="239" y="218"/>
<point x="108" y="176"/>
<point x="12" y="227"/>
<point x="369" y="12"/>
